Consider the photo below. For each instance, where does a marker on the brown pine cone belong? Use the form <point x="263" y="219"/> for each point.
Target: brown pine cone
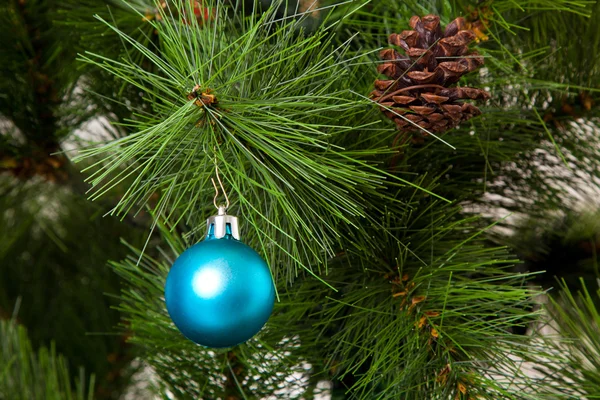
<point x="418" y="91"/>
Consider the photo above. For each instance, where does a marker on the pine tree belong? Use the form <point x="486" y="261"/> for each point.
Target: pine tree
<point x="407" y="230"/>
<point x="27" y="374"/>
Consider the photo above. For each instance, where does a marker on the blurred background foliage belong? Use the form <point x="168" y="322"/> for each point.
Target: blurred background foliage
<point x="55" y="243"/>
<point x="30" y="373"/>
<point x="54" y="279"/>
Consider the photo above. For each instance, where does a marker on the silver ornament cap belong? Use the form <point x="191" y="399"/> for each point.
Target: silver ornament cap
<point x="220" y="225"/>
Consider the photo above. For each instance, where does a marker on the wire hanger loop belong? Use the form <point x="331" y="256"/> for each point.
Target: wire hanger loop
<point x="226" y="205"/>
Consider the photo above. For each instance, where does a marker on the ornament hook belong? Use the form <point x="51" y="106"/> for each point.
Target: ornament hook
<point x="221" y="225"/>
<point x="226" y="206"/>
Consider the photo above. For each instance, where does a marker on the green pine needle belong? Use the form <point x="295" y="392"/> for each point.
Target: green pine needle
<point x="283" y="100"/>
<point x="26" y="374"/>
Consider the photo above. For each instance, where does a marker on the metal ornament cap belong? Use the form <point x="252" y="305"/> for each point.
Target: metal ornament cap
<point x="220" y="225"/>
<point x="219" y="292"/>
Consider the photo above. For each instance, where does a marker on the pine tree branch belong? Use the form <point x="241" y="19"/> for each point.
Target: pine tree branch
<point x="274" y="133"/>
<point x="576" y="345"/>
<point x="42" y="374"/>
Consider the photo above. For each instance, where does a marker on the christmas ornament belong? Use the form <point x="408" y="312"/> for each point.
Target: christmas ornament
<point x="219" y="292"/>
<point x="418" y="96"/>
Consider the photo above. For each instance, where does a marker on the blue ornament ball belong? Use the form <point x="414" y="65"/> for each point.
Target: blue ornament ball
<point x="219" y="292"/>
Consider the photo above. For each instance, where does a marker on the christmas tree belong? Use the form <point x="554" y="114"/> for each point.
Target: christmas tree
<point x="416" y="178"/>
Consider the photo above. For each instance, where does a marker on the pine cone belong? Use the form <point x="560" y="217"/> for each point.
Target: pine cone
<point x="418" y="89"/>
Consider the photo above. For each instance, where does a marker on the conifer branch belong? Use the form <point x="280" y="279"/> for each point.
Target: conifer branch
<point x="282" y="102"/>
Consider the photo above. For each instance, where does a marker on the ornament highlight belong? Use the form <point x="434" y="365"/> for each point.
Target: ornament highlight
<point x="219" y="292"/>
